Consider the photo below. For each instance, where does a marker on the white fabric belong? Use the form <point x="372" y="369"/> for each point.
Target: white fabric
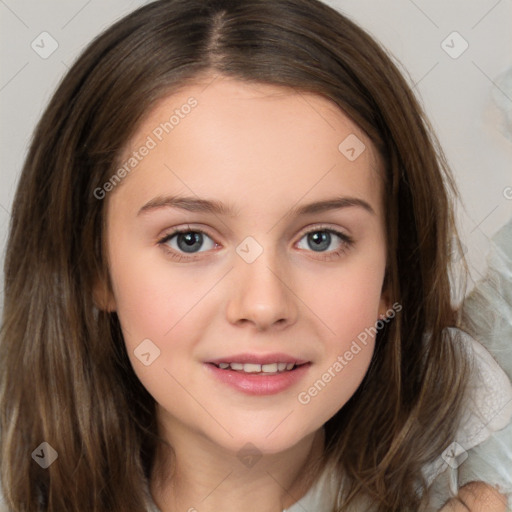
<point x="488" y="412"/>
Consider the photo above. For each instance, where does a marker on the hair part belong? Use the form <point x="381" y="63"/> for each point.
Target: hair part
<point x="65" y="376"/>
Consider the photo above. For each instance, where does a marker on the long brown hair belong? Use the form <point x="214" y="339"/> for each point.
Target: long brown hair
<point x="65" y="377"/>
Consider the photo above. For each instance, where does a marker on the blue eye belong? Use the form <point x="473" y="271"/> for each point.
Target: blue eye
<point x="319" y="240"/>
<point x="185" y="241"/>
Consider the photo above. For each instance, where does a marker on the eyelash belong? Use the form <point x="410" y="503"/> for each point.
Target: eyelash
<point x="346" y="242"/>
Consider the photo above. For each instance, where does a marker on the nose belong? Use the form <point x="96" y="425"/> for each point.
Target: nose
<point x="261" y="294"/>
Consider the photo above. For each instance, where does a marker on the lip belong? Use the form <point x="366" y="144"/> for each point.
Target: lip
<point x="259" y="385"/>
<point x="259" y="359"/>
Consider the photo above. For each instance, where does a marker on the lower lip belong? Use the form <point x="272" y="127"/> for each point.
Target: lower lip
<point x="253" y="384"/>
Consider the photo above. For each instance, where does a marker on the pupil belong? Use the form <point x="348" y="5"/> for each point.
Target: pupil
<point x="190" y="239"/>
<point x="321" y="240"/>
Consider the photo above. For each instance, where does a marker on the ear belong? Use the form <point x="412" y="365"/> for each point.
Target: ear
<point x="103" y="296"/>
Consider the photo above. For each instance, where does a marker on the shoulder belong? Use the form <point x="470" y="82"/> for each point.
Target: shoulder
<point x="489" y="399"/>
<point x="476" y="464"/>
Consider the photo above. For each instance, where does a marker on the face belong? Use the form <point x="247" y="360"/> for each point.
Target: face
<point x="244" y="325"/>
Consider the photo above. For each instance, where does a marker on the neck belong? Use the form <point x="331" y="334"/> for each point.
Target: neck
<point x="199" y="475"/>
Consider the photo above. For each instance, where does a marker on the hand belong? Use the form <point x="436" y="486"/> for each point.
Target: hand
<point x="477" y="497"/>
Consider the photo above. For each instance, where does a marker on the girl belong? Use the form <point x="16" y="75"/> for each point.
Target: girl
<point x="228" y="271"/>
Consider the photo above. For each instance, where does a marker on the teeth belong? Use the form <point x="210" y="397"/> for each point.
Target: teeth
<point x="250" y="368"/>
<point x="258" y="368"/>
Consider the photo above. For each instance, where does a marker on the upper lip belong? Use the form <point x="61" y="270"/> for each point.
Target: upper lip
<point x="259" y="359"/>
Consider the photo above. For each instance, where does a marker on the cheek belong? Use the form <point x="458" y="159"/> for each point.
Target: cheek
<point x="333" y="385"/>
<point x="348" y="354"/>
<point x="140" y="303"/>
<point x="156" y="312"/>
<point x="348" y="300"/>
<point x="349" y="307"/>
<point x="150" y="300"/>
<point x="167" y="309"/>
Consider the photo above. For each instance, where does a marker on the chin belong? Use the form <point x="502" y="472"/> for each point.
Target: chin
<point x="268" y="439"/>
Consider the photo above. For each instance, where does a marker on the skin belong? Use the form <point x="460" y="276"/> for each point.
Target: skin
<point x="262" y="150"/>
<point x="477" y="497"/>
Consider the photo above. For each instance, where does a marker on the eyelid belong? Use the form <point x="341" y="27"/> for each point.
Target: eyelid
<point x="324" y="227"/>
<point x="168" y="234"/>
<point x="308" y="229"/>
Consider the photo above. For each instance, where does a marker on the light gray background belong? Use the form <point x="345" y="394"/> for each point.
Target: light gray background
<point x="458" y="93"/>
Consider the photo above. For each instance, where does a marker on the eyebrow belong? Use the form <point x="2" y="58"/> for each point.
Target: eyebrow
<point x="194" y="204"/>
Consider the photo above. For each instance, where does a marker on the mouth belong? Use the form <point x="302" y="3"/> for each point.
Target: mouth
<point x="259" y="374"/>
<point x="259" y="369"/>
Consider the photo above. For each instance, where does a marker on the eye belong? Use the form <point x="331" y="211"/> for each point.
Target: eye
<point x="181" y="242"/>
<point x="188" y="241"/>
<point x="321" y="240"/>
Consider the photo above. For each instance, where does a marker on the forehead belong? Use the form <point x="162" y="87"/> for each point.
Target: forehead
<point x="260" y="141"/>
